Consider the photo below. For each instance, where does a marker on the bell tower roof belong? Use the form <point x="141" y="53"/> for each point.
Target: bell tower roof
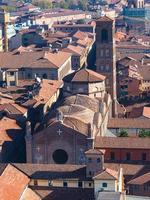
<point x="104" y="19"/>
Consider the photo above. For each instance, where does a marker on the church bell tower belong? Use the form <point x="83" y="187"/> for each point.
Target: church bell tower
<point x="106" y="56"/>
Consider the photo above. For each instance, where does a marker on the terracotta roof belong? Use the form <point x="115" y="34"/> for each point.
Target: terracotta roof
<point x="122" y="143"/>
<point x="84" y="75"/>
<point x="140" y="112"/>
<point x="144" y="72"/>
<point x="13" y="183"/>
<point x="68" y="193"/>
<point x="104" y="19"/>
<point x="39" y="59"/>
<point x="110" y="195"/>
<point x="50" y="60"/>
<point x="129" y="123"/>
<point x="13" y="108"/>
<point x="80" y="35"/>
<point x="141" y="177"/>
<point x="29" y="194"/>
<point x="129" y="170"/>
<point x="72" y="25"/>
<point x="106" y="174"/>
<point x="127" y="61"/>
<point x="82" y="100"/>
<point x="95" y="151"/>
<point x="58" y="59"/>
<point x="52" y="171"/>
<point x="47" y="90"/>
<point x="7" y="124"/>
<point x="74" y="49"/>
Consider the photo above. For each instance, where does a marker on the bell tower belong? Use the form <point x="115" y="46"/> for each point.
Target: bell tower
<point x="106" y="56"/>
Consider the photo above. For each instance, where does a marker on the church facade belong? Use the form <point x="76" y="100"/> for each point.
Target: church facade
<point x="71" y="129"/>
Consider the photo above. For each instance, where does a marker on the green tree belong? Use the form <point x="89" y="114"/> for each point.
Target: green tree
<point x="81" y="21"/>
<point x="82" y="4"/>
<point x="64" y="5"/>
<point x="123" y="133"/>
<point x="144" y="133"/>
<point x="44" y="4"/>
<point x="9" y="9"/>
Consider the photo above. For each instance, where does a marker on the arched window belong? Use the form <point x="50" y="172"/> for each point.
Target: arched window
<point x="45" y="76"/>
<point x="104" y="35"/>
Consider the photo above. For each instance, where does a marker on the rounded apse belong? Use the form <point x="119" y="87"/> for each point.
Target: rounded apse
<point x="60" y="156"/>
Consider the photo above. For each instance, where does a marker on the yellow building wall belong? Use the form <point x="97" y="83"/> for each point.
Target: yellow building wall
<point x="59" y="183"/>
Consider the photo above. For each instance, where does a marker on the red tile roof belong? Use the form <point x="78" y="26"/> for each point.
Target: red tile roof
<point x="104" y="19"/>
<point x="139" y="112"/>
<point x="128" y="123"/>
<point x="5" y="125"/>
<point x="141" y="177"/>
<point x="58" y="193"/>
<point x="95" y="151"/>
<point x="84" y="75"/>
<point x="122" y="143"/>
<point x="106" y="174"/>
<point x="13" y="183"/>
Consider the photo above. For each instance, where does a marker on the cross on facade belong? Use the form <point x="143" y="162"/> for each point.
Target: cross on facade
<point x="59" y="132"/>
<point x="38" y="156"/>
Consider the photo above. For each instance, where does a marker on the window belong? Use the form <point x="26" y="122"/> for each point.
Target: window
<point x="90" y="184"/>
<point x="107" y="53"/>
<point x="143" y="156"/>
<point x="104" y="35"/>
<point x="12" y="83"/>
<point x="107" y="67"/>
<point x="11" y="73"/>
<point x="128" y="156"/>
<point x="112" y="155"/>
<point x="107" y="81"/>
<point x="29" y="75"/>
<point x="49" y="183"/>
<point x="89" y="160"/>
<point x="65" y="184"/>
<point x="104" y="185"/>
<point x="136" y="187"/>
<point x="101" y="53"/>
<point x="98" y="160"/>
<point x="81" y="90"/>
<point x="102" y="67"/>
<point x="35" y="182"/>
<point x="80" y="184"/>
<point x="146" y="187"/>
<point x="90" y="173"/>
<point x="45" y="76"/>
